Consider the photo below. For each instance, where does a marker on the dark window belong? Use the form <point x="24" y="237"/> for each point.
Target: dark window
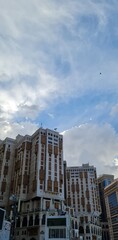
<point x="43" y="219"/>
<point x="37" y="220"/>
<point x="57" y="233"/>
<point x="81" y="230"/>
<point x="18" y="222"/>
<point x="56" y="222"/>
<point x="24" y="224"/>
<point x="31" y="221"/>
<point x="2" y="213"/>
<point x="87" y="229"/>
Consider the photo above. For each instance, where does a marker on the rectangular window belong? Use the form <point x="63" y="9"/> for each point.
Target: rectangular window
<point x="57" y="233"/>
<point x="56" y="222"/>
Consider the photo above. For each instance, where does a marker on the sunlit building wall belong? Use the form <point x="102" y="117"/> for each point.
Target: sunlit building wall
<point x="83" y="196"/>
<point x="38" y="180"/>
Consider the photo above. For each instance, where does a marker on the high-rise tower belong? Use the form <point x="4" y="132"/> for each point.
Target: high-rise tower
<point x="103" y="181"/>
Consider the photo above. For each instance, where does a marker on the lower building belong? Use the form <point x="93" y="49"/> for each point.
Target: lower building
<point x="31" y="219"/>
<point x="82" y="195"/>
<point x="39" y="224"/>
<point x="111" y="200"/>
<point x="61" y="227"/>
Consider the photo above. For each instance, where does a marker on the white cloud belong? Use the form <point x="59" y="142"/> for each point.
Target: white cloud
<point x="38" y="40"/>
<point x="93" y="144"/>
<point x="13" y="129"/>
<point x="51" y="115"/>
<point x="114" y="110"/>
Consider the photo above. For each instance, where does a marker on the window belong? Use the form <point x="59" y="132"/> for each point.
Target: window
<point x="2" y="214"/>
<point x="36" y="220"/>
<point x="87" y="229"/>
<point x="18" y="222"/>
<point x="57" y="233"/>
<point x="43" y="219"/>
<point x="112" y="200"/>
<point x="56" y="222"/>
<point x="24" y="223"/>
<point x="31" y="221"/>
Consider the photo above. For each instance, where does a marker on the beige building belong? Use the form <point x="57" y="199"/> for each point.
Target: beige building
<point x="35" y="178"/>
<point x="111" y="200"/>
<point x="82" y="194"/>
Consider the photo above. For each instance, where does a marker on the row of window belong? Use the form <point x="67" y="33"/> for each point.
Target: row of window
<point x="57" y="233"/>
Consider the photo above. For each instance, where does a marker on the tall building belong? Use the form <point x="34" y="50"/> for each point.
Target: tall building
<point x="103" y="181"/>
<point x="31" y="169"/>
<point x="111" y="200"/>
<point x="83" y="196"/>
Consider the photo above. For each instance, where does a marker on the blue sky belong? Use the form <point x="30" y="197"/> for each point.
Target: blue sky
<point x="58" y="68"/>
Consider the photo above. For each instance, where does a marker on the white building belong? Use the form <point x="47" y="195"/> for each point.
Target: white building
<point x="37" y="181"/>
<point x="82" y="194"/>
<point x="61" y="227"/>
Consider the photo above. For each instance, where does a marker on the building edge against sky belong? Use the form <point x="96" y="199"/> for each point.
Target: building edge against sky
<point x="103" y="181"/>
<point x="82" y="194"/>
<point x="111" y="199"/>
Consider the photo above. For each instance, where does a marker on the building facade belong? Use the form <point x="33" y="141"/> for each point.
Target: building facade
<point x="103" y="181"/>
<point x="35" y="177"/>
<point x="83" y="196"/>
<point x="7" y="148"/>
<point x="111" y="200"/>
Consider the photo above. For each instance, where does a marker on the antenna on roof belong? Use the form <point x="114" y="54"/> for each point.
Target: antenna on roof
<point x="41" y="125"/>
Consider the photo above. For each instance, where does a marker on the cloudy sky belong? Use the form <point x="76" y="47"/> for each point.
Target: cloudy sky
<point x="59" y="68"/>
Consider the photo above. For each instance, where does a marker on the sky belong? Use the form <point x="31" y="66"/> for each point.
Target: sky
<point x="59" y="69"/>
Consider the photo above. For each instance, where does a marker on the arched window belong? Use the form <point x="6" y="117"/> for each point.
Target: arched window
<point x="43" y="219"/>
<point x="76" y="227"/>
<point x="81" y="230"/>
<point x="72" y="224"/>
<point x="31" y="221"/>
<point x="18" y="222"/>
<point x="87" y="229"/>
<point x="24" y="223"/>
<point x="36" y="220"/>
